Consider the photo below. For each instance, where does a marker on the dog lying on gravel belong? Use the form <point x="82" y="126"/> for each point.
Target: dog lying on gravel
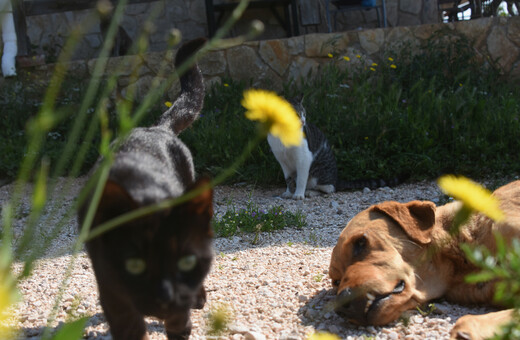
<point x="393" y="257"/>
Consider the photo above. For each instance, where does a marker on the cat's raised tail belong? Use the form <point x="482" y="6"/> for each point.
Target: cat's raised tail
<point x="186" y="108"/>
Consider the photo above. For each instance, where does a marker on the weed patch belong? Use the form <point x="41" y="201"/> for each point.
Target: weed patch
<point x="253" y="219"/>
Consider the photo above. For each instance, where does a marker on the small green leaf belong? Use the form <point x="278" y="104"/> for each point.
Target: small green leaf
<point x="71" y="331"/>
<point x="483" y="276"/>
<point x="40" y="188"/>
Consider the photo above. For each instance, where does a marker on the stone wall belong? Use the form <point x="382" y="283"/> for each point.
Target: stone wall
<point x="269" y="63"/>
<point x="48" y="33"/>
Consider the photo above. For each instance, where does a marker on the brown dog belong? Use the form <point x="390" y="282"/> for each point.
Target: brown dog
<point x="394" y="257"/>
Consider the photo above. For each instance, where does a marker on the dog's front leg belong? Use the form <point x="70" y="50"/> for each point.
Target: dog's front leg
<point x="480" y="327"/>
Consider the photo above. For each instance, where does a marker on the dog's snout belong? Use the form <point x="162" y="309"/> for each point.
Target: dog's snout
<point x="345" y="294"/>
<point x="343" y="304"/>
<point x="350" y="306"/>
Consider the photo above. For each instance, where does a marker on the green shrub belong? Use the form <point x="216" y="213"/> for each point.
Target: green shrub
<point x="437" y="110"/>
<point x="253" y="219"/>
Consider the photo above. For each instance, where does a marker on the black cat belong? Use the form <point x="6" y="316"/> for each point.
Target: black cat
<point x="155" y="265"/>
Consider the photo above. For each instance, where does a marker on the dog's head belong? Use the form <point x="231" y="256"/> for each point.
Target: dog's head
<point x="373" y="265"/>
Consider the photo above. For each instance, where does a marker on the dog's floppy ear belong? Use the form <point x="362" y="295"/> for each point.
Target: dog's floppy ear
<point x="416" y="218"/>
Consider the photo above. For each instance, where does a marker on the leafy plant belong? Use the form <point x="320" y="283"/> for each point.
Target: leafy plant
<point x="503" y="268"/>
<point x="253" y="219"/>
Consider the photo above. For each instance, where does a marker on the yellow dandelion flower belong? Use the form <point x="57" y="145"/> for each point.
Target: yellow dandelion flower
<point x="168" y="104"/>
<point x="374" y="64"/>
<point x="225" y="84"/>
<point x="390" y="59"/>
<point x="346" y="58"/>
<point x="323" y="336"/>
<point x="372" y="69"/>
<point x="393" y="66"/>
<point x="460" y="84"/>
<point x="358" y="56"/>
<point x="472" y="195"/>
<point x="330" y="55"/>
<point x="275" y="113"/>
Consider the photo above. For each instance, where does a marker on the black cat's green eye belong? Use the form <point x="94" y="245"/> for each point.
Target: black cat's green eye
<point x="135" y="266"/>
<point x="187" y="263"/>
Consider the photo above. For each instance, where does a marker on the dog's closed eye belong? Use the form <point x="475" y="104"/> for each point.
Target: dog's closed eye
<point x="359" y="245"/>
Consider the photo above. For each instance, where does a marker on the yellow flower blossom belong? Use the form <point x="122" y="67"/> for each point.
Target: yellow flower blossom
<point x="358" y="56"/>
<point x="374" y="64"/>
<point x="330" y="55"/>
<point x="323" y="336"/>
<point x="472" y="195"/>
<point x="390" y="59"/>
<point x="393" y="66"/>
<point x="168" y="104"/>
<point x="346" y="58"/>
<point x="372" y="69"/>
<point x="275" y="113"/>
<point x="226" y="84"/>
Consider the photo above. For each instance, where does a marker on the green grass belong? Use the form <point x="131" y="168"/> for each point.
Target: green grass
<point x="439" y="111"/>
<point x="253" y="219"/>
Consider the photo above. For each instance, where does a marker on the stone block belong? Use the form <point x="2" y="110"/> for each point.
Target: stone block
<point x="372" y="40"/>
<point x="159" y="62"/>
<point x="476" y="30"/>
<point x="274" y="53"/>
<point x="321" y="45"/>
<point x="296" y="45"/>
<point x="502" y="49"/>
<point x="513" y="30"/>
<point x="244" y="63"/>
<point x="399" y="37"/>
<point x="301" y="68"/>
<point x="213" y="63"/>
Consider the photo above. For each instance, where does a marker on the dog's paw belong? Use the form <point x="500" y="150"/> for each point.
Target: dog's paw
<point x="480" y="327"/>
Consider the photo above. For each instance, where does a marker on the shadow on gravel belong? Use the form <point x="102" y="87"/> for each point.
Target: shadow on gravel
<point x="93" y="331"/>
<point x="318" y="312"/>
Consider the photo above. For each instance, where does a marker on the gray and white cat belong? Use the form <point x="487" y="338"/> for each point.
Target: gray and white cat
<point x="311" y="166"/>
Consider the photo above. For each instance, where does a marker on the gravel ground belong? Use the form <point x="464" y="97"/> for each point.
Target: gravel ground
<point x="277" y="288"/>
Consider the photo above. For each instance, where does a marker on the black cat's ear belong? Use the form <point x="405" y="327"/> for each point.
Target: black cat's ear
<point x="115" y="201"/>
<point x="198" y="211"/>
<point x="202" y="204"/>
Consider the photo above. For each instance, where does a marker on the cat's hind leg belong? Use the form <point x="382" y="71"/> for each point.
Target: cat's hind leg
<point x="326" y="188"/>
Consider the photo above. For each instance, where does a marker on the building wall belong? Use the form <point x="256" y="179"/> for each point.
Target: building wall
<point x="48" y="33"/>
<point x="270" y="63"/>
